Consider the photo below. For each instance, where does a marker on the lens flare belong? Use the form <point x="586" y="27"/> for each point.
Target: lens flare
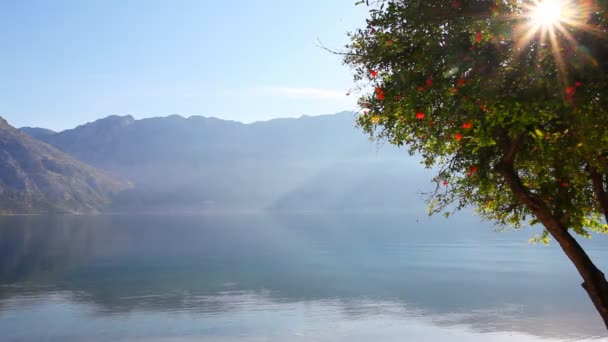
<point x="552" y="23"/>
<point x="547" y="13"/>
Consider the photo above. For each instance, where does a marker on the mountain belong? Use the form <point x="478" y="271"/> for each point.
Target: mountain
<point x="309" y="163"/>
<point x="38" y="133"/>
<point x="37" y="178"/>
<point x="116" y="141"/>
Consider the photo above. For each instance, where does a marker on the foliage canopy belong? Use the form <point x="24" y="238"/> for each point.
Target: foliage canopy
<point x="480" y="90"/>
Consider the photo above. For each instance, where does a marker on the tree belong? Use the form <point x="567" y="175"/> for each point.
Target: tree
<point x="507" y="100"/>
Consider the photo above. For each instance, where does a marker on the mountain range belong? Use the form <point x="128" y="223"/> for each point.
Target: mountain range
<point x="37" y="178"/>
<point x="201" y="163"/>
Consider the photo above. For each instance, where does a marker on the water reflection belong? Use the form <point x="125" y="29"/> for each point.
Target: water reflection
<point x="293" y="270"/>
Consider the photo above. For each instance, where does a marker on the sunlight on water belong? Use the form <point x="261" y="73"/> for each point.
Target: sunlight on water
<point x="298" y="278"/>
<point x="243" y="316"/>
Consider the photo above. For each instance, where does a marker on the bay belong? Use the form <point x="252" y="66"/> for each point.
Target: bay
<point x="286" y="277"/>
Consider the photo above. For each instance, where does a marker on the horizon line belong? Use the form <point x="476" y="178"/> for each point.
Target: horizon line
<point x="190" y="117"/>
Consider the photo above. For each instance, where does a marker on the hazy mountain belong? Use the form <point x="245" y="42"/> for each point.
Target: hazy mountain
<point x="38" y="133"/>
<point x="36" y="178"/>
<point x="116" y="141"/>
<point x="309" y="163"/>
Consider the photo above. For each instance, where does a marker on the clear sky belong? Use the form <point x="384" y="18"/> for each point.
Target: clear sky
<point x="64" y="63"/>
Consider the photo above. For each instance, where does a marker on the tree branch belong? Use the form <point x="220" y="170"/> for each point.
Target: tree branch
<point x="506" y="168"/>
<point x="599" y="190"/>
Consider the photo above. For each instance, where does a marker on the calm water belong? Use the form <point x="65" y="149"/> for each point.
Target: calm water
<point x="285" y="278"/>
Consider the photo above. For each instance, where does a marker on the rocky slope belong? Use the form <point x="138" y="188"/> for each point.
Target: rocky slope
<point x="37" y="178"/>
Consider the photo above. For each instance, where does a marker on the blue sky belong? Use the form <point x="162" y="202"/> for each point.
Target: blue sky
<point x="64" y="63"/>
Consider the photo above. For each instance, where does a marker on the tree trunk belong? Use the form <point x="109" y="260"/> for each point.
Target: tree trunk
<point x="594" y="281"/>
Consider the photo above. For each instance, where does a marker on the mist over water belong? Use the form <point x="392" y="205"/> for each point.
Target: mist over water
<point x="277" y="277"/>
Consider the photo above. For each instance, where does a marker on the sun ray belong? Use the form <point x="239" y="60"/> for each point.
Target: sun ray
<point x="551" y="23"/>
<point x="556" y="50"/>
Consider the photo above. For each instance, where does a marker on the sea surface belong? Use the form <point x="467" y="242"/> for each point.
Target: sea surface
<point x="287" y="277"/>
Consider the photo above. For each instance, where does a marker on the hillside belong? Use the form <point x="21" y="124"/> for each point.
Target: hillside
<point x="309" y="163"/>
<point x="38" y="133"/>
<point x="37" y="178"/>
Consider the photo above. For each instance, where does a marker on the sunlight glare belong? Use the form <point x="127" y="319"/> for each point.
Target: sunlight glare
<point x="552" y="24"/>
<point x="547" y="13"/>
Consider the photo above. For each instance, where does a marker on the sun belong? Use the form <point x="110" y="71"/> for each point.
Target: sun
<point x="553" y="24"/>
<point x="546" y="19"/>
<point x="547" y="13"/>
